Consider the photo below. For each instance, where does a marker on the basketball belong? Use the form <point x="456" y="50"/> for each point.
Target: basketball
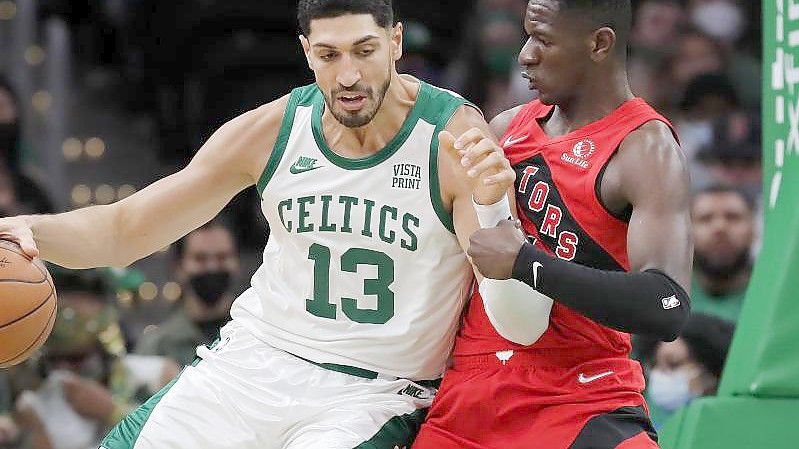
<point x="27" y="304"/>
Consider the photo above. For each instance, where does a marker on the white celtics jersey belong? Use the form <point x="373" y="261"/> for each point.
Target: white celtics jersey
<point x="362" y="267"/>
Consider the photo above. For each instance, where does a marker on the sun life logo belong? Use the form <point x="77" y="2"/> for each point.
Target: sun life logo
<point x="584" y="149"/>
<point x="581" y="151"/>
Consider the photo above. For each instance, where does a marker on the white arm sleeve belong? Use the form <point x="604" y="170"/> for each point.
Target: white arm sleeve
<point x="518" y="313"/>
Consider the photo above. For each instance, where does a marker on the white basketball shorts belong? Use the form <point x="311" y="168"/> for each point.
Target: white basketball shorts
<point x="244" y="394"/>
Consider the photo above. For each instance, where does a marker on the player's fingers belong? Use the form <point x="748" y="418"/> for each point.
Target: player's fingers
<point x="447" y="141"/>
<point x="477" y="151"/>
<point x="508" y="223"/>
<point x="24" y="240"/>
<point x="29" y="248"/>
<point x="503" y="177"/>
<point x="470" y="137"/>
<point x="490" y="164"/>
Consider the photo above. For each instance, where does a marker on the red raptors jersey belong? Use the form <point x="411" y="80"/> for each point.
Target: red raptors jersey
<point x="557" y="196"/>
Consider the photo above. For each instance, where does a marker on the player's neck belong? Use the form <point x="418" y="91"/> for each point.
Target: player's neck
<point x="596" y="99"/>
<point x="374" y="136"/>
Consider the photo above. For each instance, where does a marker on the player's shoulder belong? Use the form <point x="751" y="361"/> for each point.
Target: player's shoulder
<point x="655" y="137"/>
<point x="649" y="154"/>
<point x="441" y="105"/>
<point x="255" y="129"/>
<point x="502" y="121"/>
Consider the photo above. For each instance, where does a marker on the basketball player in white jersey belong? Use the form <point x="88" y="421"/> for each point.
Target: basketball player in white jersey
<point x="353" y="312"/>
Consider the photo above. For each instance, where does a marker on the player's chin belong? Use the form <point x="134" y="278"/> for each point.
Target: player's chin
<point x="354" y="119"/>
<point x="545" y="97"/>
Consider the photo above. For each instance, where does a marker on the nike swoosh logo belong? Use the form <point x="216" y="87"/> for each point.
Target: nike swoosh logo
<point x="294" y="170"/>
<point x="536" y="266"/>
<point x="511" y="141"/>
<point x="583" y="379"/>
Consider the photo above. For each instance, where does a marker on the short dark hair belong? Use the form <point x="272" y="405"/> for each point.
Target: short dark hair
<point x="307" y="10"/>
<point x="614" y="14"/>
<point x="179" y="247"/>
<point x="708" y="339"/>
<point x="718" y="189"/>
<point x="705" y="85"/>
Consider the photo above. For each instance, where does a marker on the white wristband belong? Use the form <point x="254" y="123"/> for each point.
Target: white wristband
<point x="491" y="214"/>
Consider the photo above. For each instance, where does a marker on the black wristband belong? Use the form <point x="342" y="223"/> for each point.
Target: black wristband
<point x="523" y="266"/>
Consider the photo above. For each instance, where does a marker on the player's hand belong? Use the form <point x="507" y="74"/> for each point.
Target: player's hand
<point x="494" y="250"/>
<point x="483" y="163"/>
<point x="17" y="230"/>
<point x="88" y="398"/>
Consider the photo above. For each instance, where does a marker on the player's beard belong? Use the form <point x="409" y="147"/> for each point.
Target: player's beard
<point x="722" y="269"/>
<point x="364" y="116"/>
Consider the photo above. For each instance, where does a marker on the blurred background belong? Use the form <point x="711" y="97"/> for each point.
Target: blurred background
<point x="98" y="98"/>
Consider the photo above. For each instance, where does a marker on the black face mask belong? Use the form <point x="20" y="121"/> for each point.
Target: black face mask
<point x="9" y="136"/>
<point x="210" y="286"/>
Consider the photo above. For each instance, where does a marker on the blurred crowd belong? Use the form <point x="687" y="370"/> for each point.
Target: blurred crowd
<point x="190" y="65"/>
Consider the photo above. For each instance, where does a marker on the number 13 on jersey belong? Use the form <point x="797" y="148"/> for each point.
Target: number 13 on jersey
<point x="320" y="304"/>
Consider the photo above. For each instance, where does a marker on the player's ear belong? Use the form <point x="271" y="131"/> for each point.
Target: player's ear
<point x="396" y="41"/>
<point x="306" y="48"/>
<point x="603" y="43"/>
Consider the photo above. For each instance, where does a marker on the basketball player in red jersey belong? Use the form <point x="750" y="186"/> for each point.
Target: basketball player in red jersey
<point x="602" y="196"/>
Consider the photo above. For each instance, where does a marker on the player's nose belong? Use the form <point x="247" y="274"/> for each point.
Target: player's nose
<point x="349" y="74"/>
<point x="527" y="55"/>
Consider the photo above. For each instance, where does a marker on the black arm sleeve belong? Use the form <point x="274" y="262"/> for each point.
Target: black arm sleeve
<point x="648" y="303"/>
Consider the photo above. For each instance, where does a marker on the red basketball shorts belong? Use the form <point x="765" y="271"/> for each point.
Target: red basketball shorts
<point x="527" y="402"/>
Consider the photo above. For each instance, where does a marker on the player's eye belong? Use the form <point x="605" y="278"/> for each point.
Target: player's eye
<point x="366" y="51"/>
<point x="327" y="56"/>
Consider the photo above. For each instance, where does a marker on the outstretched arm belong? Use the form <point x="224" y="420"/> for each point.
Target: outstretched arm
<point x="121" y="233"/>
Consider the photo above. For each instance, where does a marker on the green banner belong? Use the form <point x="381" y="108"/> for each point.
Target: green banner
<point x="764" y="359"/>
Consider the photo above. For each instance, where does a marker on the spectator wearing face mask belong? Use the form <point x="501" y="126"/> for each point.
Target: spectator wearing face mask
<point x="723" y="230"/>
<point x="706" y="98"/>
<point x="207" y="267"/>
<point x="688" y="367"/>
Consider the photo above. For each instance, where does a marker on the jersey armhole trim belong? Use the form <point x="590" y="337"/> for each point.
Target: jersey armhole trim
<point x="435" y="186"/>
<point x="281" y="142"/>
<point x="625" y="215"/>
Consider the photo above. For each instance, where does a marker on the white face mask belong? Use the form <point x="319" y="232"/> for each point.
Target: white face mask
<point x="671" y="390"/>
<point x="720" y="19"/>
